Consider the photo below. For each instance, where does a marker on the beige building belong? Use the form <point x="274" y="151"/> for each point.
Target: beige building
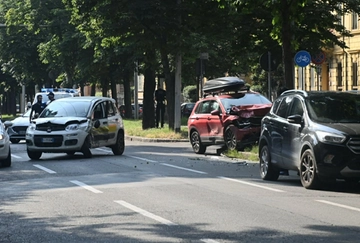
<point x="340" y="71"/>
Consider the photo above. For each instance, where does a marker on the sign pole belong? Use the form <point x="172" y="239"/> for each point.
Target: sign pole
<point x="269" y="75"/>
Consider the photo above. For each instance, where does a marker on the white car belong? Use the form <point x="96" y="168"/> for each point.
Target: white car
<point x="76" y="124"/>
<point x="18" y="129"/>
<point x="5" y="152"/>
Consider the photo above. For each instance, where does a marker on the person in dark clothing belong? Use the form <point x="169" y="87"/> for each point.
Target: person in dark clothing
<point x="160" y="97"/>
<point x="51" y="96"/>
<point x="38" y="107"/>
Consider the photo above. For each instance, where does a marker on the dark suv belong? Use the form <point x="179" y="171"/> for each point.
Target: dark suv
<point x="315" y="133"/>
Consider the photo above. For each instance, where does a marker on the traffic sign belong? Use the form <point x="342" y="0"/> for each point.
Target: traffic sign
<point x="269" y="58"/>
<point x="302" y="58"/>
<point x="318" y="58"/>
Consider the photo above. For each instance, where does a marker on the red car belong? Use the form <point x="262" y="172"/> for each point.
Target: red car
<point x="232" y="119"/>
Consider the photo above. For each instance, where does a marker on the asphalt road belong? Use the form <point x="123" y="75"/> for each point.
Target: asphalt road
<point x="163" y="192"/>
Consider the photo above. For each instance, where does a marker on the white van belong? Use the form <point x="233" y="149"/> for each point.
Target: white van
<point x="59" y="93"/>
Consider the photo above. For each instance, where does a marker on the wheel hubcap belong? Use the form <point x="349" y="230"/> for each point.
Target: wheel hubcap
<point x="264" y="163"/>
<point x="307" y="169"/>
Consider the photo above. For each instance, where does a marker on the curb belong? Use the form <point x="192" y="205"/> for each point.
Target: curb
<point x="154" y="140"/>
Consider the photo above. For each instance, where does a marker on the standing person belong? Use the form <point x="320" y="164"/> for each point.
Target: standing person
<point x="38" y="107"/>
<point x="51" y="96"/>
<point x="160" y="97"/>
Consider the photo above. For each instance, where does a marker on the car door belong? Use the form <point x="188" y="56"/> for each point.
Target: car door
<point x="100" y="126"/>
<point x="200" y="119"/>
<point x="279" y="127"/>
<point x="113" y="121"/>
<point x="292" y="136"/>
<point x="214" y="123"/>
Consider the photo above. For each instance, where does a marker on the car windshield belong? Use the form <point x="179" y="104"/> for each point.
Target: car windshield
<point x="334" y="108"/>
<point x="66" y="109"/>
<point x="247" y="99"/>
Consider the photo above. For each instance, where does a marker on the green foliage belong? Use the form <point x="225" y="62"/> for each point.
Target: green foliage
<point x="189" y="93"/>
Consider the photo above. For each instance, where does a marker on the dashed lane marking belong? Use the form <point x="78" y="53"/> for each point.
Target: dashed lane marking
<point x="45" y="169"/>
<point x="339" y="205"/>
<point x="182" y="168"/>
<point x="15" y="156"/>
<point x="87" y="187"/>
<point x="251" y="184"/>
<point x="145" y="213"/>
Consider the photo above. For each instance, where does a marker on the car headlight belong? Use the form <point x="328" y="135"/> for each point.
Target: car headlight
<point x="327" y="137"/>
<point x="72" y="127"/>
<point x="75" y="127"/>
<point x="2" y="137"/>
<point x="31" y="127"/>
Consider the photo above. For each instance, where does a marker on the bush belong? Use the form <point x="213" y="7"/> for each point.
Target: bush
<point x="189" y="93"/>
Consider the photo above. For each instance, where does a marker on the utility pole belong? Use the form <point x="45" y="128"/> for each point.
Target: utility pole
<point x="177" y="112"/>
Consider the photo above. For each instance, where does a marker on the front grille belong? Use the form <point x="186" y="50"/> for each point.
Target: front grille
<point x="20" y="129"/>
<point x="354" y="145"/>
<point x="48" y="140"/>
<point x="47" y="127"/>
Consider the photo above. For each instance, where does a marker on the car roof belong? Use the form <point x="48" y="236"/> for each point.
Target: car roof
<point x="84" y="98"/>
<point x="316" y="93"/>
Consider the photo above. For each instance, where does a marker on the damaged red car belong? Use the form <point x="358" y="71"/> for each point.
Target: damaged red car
<point x="228" y="115"/>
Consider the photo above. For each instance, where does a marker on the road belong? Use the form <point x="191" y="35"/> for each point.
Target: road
<point x="163" y="192"/>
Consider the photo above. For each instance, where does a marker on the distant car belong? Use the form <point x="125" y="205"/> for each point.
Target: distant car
<point x="18" y="129"/>
<point x="227" y="116"/>
<point x="76" y="124"/>
<point x="315" y="133"/>
<point x="186" y="109"/>
<point x="5" y="151"/>
<point x="140" y="110"/>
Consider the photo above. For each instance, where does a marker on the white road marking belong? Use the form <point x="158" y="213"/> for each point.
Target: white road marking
<point x="182" y="168"/>
<point x="251" y="184"/>
<point x="339" y="205"/>
<point x="209" y="241"/>
<point x="104" y="150"/>
<point x="87" y="187"/>
<point x="145" y="213"/>
<point x="143" y="159"/>
<point x="45" y="169"/>
<point x="15" y="156"/>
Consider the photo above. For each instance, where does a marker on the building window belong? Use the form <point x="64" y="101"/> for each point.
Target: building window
<point x="355" y="74"/>
<point x="339" y="74"/>
<point x="355" y="21"/>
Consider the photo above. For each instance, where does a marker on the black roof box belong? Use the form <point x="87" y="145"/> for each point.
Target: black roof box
<point x="223" y="84"/>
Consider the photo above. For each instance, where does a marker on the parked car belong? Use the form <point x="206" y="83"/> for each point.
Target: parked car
<point x="76" y="124"/>
<point x="314" y="133"/>
<point x="231" y="118"/>
<point x="5" y="151"/>
<point x="18" y="129"/>
<point x="140" y="110"/>
<point x="186" y="109"/>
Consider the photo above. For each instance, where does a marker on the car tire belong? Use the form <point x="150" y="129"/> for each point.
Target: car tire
<point x="119" y="147"/>
<point x="196" y="144"/>
<point x="14" y="140"/>
<point x="230" y="138"/>
<point x="267" y="170"/>
<point x="7" y="161"/>
<point x="85" y="149"/>
<point x="308" y="174"/>
<point x="34" y="155"/>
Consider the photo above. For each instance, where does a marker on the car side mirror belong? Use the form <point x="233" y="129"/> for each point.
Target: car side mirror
<point x="36" y="115"/>
<point x="295" y="119"/>
<point x="215" y="113"/>
<point x="8" y="124"/>
<point x="97" y="124"/>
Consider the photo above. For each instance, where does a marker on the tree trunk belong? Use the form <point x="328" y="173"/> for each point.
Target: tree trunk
<point x="148" y="103"/>
<point x="170" y="88"/>
<point x="127" y="95"/>
<point x="288" y="53"/>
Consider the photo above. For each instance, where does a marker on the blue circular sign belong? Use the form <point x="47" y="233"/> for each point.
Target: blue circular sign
<point x="302" y="58"/>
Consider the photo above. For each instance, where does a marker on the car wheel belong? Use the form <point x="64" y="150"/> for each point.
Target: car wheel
<point x="14" y="140"/>
<point x="119" y="147"/>
<point x="6" y="162"/>
<point x="308" y="174"/>
<point x="70" y="153"/>
<point x="34" y="155"/>
<point x="230" y="139"/>
<point x="267" y="170"/>
<point x="85" y="149"/>
<point x="196" y="144"/>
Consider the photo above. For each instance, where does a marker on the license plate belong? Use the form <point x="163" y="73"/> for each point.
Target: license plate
<point x="47" y="140"/>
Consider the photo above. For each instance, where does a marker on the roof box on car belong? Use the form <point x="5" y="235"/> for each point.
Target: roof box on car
<point x="224" y="84"/>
